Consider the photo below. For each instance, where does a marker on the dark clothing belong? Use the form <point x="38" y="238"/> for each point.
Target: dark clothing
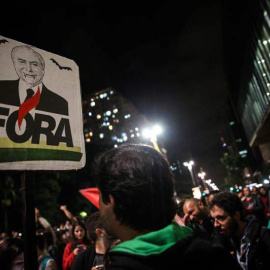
<point x="48" y="102"/>
<point x="257" y="254"/>
<point x="173" y="247"/>
<point x="254" y="207"/>
<point x="85" y="260"/>
<point x="56" y="253"/>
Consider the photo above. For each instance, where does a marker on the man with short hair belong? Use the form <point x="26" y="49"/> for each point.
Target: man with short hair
<point x="93" y="256"/>
<point x="196" y="213"/>
<point x="137" y="206"/>
<point x="251" y="240"/>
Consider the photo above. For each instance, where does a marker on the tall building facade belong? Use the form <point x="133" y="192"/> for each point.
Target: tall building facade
<point x="110" y="120"/>
<point x="247" y="70"/>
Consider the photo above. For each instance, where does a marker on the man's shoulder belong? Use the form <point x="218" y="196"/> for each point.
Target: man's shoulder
<point x="52" y="102"/>
<point x="192" y="250"/>
<point x="8" y="85"/>
<point x="52" y="95"/>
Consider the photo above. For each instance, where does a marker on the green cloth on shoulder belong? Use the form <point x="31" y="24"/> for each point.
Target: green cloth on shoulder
<point x="154" y="242"/>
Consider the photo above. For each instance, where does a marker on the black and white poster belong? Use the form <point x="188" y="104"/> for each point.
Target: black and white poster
<point x="41" y="122"/>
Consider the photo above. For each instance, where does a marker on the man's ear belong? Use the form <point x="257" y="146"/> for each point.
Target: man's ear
<point x="99" y="232"/>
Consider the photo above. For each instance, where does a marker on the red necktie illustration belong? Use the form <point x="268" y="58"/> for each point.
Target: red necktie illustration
<point x="30" y="103"/>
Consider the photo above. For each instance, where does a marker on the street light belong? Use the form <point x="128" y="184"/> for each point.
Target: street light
<point x="152" y="134"/>
<point x="202" y="174"/>
<point x="189" y="165"/>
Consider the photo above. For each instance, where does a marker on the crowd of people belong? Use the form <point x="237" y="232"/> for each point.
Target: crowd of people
<point x="141" y="225"/>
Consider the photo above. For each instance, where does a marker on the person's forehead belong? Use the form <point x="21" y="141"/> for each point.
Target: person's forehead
<point x="190" y="204"/>
<point x="217" y="210"/>
<point x="25" y="53"/>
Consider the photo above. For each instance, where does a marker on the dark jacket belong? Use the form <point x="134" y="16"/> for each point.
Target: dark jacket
<point x="259" y="250"/>
<point x="174" y="247"/>
<point x="49" y="101"/>
<point x="85" y="260"/>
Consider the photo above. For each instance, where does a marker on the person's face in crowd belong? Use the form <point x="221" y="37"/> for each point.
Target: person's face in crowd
<point x="107" y="216"/>
<point x="262" y="191"/>
<point x="222" y="220"/>
<point x="79" y="232"/>
<point x="254" y="190"/>
<point x="240" y="194"/>
<point x="28" y="66"/>
<point x="247" y="192"/>
<point x="18" y="263"/>
<point x="194" y="211"/>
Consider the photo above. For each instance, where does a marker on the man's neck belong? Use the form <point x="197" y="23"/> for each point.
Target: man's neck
<point x="127" y="233"/>
<point x="101" y="245"/>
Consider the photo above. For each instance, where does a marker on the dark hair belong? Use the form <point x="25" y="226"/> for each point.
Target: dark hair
<point x="229" y="202"/>
<point x="40" y="238"/>
<point x="92" y="223"/>
<point x="140" y="180"/>
<point x="10" y="248"/>
<point x="74" y="240"/>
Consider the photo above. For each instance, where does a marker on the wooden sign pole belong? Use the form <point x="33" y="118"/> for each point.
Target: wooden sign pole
<point x="29" y="224"/>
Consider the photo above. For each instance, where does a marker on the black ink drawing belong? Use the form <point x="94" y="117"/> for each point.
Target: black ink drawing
<point x="3" y="41"/>
<point x="60" y="67"/>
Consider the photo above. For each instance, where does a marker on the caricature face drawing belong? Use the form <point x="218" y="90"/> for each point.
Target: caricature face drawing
<point x="29" y="65"/>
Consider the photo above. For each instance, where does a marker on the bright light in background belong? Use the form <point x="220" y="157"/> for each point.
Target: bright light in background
<point x="202" y="175"/>
<point x="157" y="129"/>
<point x="196" y="193"/>
<point x="147" y="133"/>
<point x="151" y="134"/>
<point x="83" y="214"/>
<point x="189" y="164"/>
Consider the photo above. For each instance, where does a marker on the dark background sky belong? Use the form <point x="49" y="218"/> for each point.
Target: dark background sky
<point x="166" y="58"/>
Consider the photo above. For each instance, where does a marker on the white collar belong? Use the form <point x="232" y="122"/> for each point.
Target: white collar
<point x="23" y="87"/>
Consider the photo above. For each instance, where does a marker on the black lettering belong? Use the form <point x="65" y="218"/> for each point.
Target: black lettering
<point x="3" y="111"/>
<point x="11" y="124"/>
<point x="47" y="131"/>
<point x="64" y="125"/>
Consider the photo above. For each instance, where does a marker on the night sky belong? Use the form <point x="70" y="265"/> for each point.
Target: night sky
<point x="166" y="58"/>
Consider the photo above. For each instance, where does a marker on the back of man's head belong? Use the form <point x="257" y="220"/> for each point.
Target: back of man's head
<point x="139" y="179"/>
<point x="92" y="223"/>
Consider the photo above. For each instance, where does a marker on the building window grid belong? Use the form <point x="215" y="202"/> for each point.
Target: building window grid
<point x="257" y="99"/>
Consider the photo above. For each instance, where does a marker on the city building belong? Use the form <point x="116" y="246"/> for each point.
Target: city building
<point x="247" y="70"/>
<point x="110" y="120"/>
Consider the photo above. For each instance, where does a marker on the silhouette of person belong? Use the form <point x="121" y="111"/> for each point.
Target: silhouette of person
<point x="30" y="67"/>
